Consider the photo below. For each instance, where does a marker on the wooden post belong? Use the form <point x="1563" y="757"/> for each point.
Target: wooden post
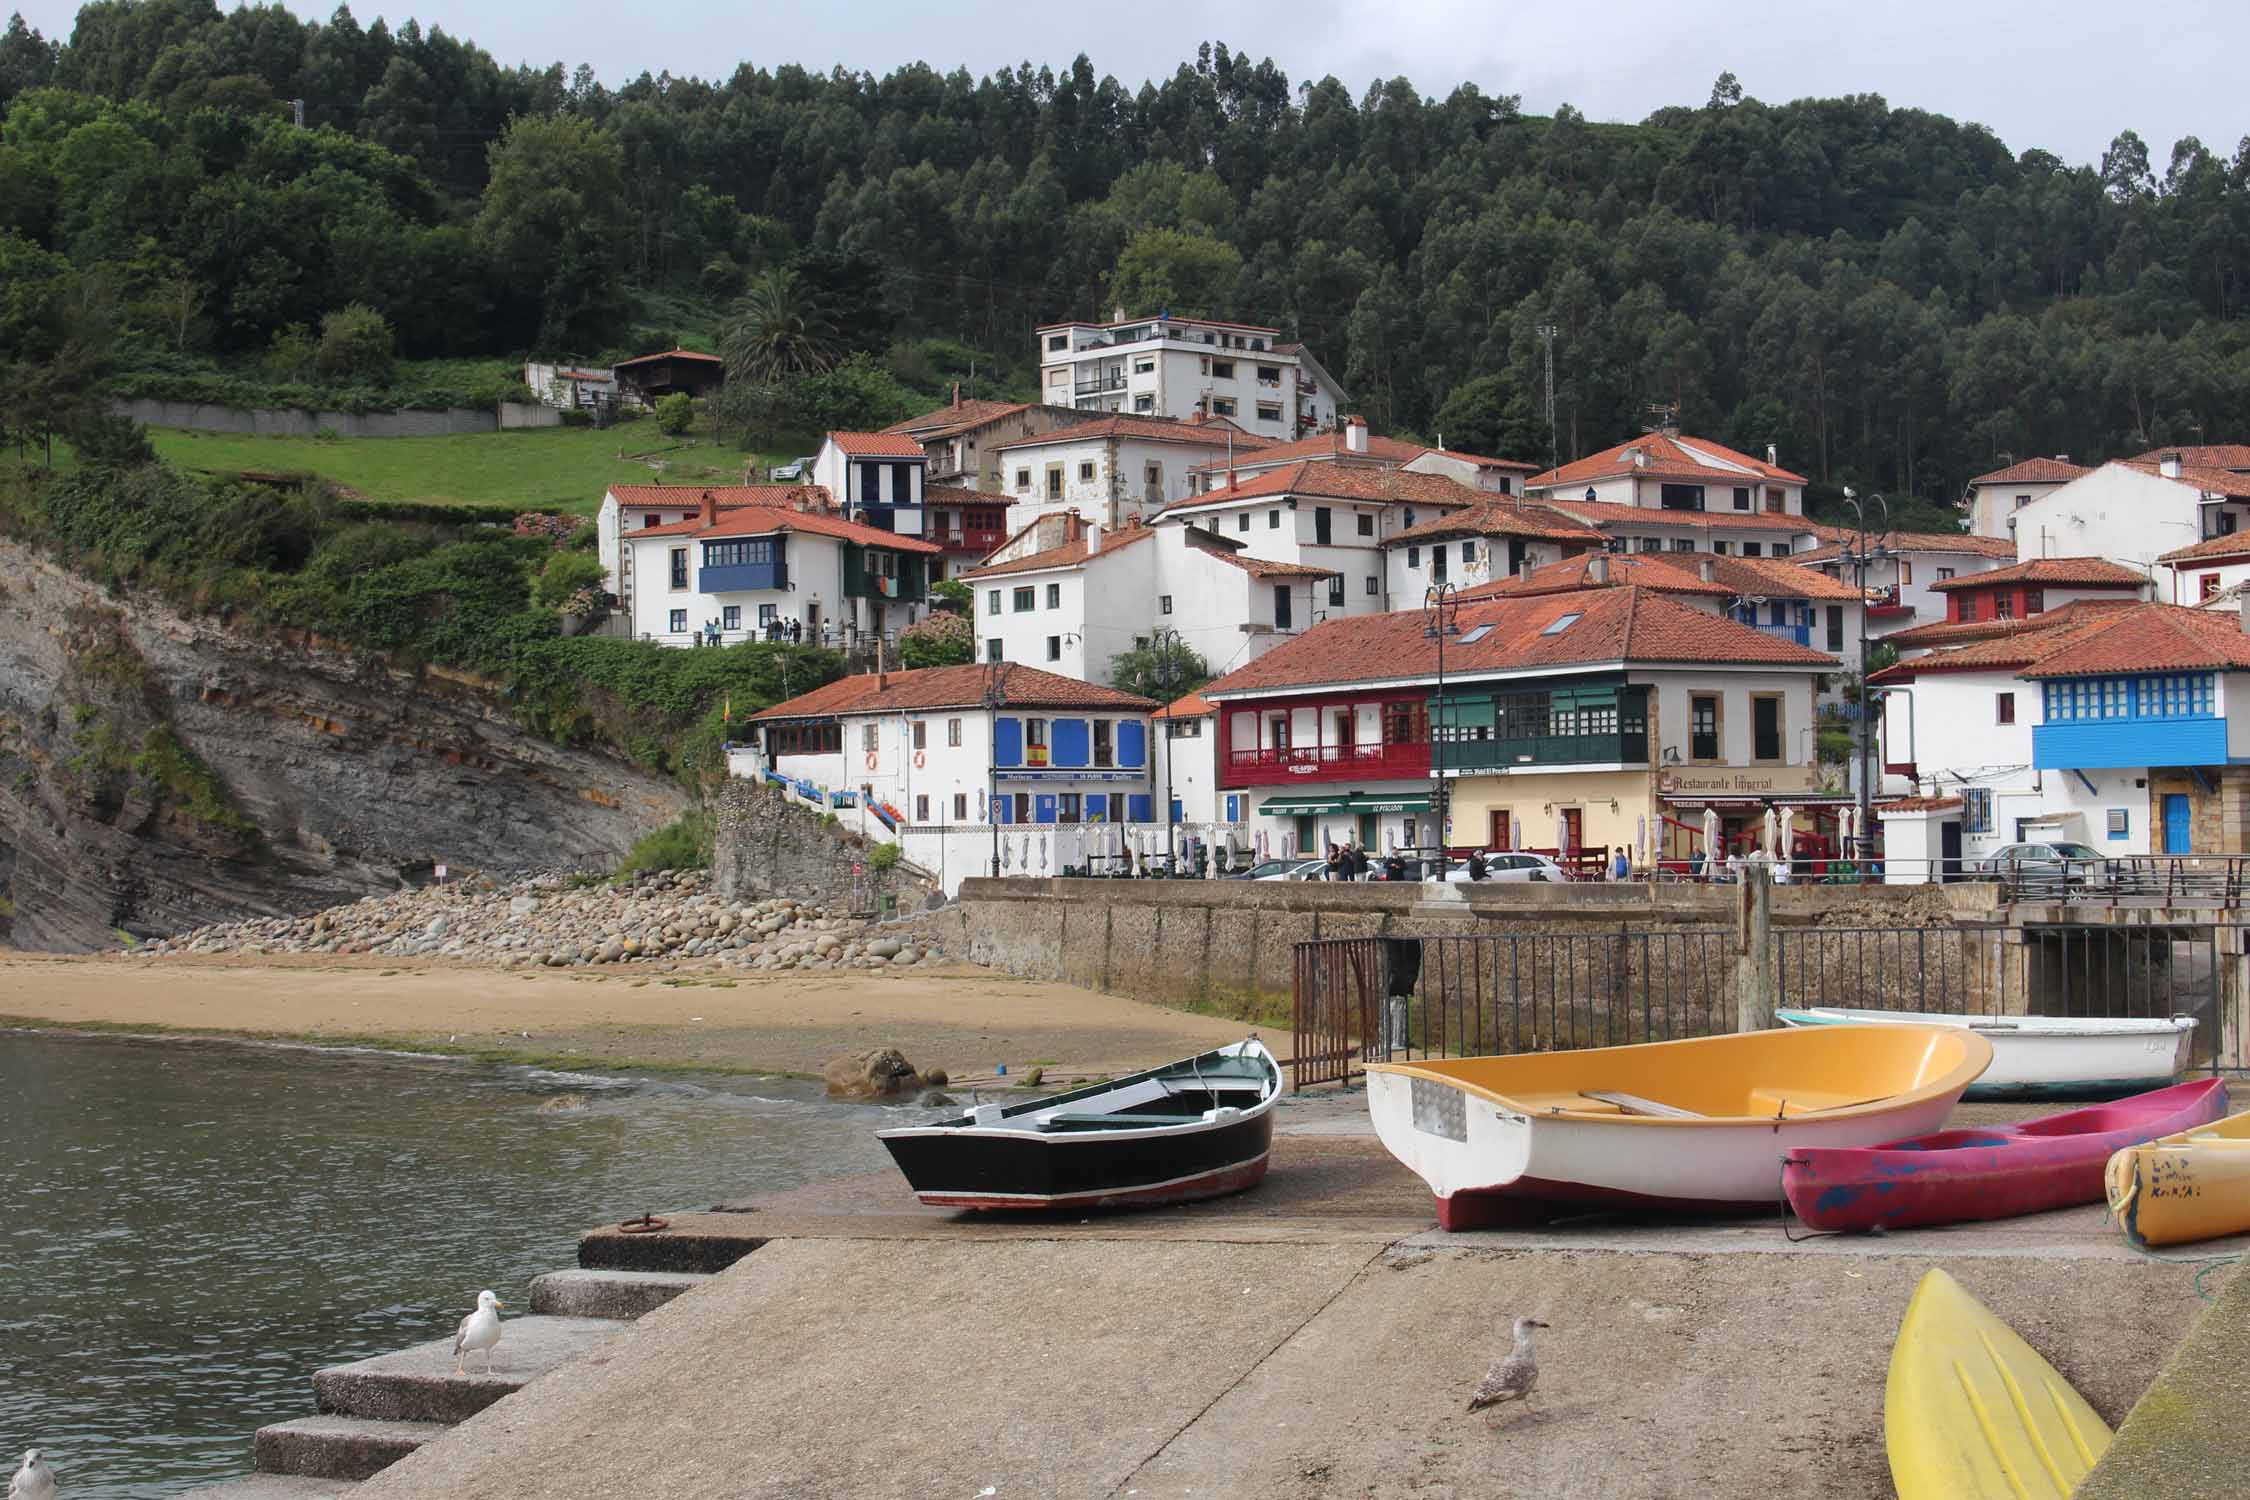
<point x="1755" y="991"/>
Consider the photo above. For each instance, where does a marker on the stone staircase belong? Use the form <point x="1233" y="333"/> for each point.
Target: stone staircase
<point x="374" y="1412"/>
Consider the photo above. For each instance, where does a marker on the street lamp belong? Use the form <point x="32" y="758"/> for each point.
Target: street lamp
<point x="1860" y="557"/>
<point x="1167" y="644"/>
<point x="1441" y="612"/>
<point x="994" y="696"/>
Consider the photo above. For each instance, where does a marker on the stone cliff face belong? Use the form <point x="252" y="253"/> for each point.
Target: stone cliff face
<point x="159" y="772"/>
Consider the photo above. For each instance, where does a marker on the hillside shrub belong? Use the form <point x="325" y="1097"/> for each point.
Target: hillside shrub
<point x="566" y="574"/>
<point x="681" y="845"/>
<point x="674" y="413"/>
<point x="355" y="343"/>
<point x="940" y="640"/>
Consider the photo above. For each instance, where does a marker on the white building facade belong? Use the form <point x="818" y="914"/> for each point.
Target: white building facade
<point x="1113" y="471"/>
<point x="1188" y="367"/>
<point x="1993" y="499"/>
<point x="2134" y="513"/>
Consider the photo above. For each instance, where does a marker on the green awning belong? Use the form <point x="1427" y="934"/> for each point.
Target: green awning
<point x="1356" y="802"/>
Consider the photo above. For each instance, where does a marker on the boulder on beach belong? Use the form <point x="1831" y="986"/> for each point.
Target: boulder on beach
<point x="870" y="1075"/>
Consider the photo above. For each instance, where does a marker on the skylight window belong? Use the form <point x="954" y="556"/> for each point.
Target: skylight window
<point x="1560" y="624"/>
<point x="1476" y="635"/>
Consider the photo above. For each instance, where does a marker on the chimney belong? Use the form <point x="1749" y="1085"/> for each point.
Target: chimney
<point x="1093" y="537"/>
<point x="956" y="394"/>
<point x="1597" y="568"/>
<point x="803" y="504"/>
<point x="1355" y="434"/>
<point x="2169" y="466"/>
<point x="2246" y="611"/>
<point x="1773" y="455"/>
<point x="1640" y="458"/>
<point x="1709" y="569"/>
<point x="1117" y="312"/>
<point x="1523" y="570"/>
<point x="710" y="509"/>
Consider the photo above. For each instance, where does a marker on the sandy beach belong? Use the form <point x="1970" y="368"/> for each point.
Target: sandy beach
<point x="963" y="1019"/>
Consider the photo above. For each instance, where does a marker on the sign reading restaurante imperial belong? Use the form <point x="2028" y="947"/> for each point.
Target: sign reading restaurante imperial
<point x="1728" y="781"/>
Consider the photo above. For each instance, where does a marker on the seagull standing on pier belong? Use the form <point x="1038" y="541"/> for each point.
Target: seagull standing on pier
<point x="479" y="1330"/>
<point x="1513" y="1376"/>
<point x="34" y="1481"/>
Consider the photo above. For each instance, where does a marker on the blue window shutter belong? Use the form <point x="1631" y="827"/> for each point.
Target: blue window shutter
<point x="1132" y="742"/>
<point x="1043" y="808"/>
<point x="1007" y="742"/>
<point x="1139" y="802"/>
<point x="1069" y="742"/>
<point x="1177" y="815"/>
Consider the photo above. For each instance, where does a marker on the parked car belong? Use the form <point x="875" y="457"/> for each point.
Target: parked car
<point x="1508" y="865"/>
<point x="1284" y="869"/>
<point x="2052" y="866"/>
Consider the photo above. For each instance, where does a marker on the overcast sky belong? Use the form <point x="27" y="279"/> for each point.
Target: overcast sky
<point x="2065" y="75"/>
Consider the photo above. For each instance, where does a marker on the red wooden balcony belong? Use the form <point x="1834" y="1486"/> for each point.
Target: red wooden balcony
<point x="1298" y="763"/>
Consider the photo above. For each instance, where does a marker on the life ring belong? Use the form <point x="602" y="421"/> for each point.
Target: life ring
<point x="920" y="760"/>
<point x="870" y="760"/>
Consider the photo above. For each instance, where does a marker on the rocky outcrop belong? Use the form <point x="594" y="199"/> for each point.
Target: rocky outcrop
<point x="159" y="772"/>
<point x="879" y="1074"/>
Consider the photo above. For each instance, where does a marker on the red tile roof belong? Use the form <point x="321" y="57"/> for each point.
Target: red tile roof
<point x="1575" y="575"/>
<point x="1514" y="465"/>
<point x="1192" y="706"/>
<point x="1942" y="633"/>
<point x="1783" y="577"/>
<point x="2200" y="455"/>
<point x="1501" y="518"/>
<point x="2210" y="481"/>
<point x="1338" y="481"/>
<point x="729" y="496"/>
<point x="1331" y="445"/>
<point x="1917" y="804"/>
<point x="1627" y="624"/>
<point x="1154" y="429"/>
<point x="2152" y="638"/>
<point x="763" y="520"/>
<point x="2034" y="471"/>
<point x="949" y="687"/>
<point x="642" y="359"/>
<point x="1915" y="541"/>
<point x="876" y="444"/>
<point x="1669" y="457"/>
<point x="2234" y="546"/>
<point x="2033" y="640"/>
<point x="944" y="420"/>
<point x="2074" y="572"/>
<point x="1616" y="517"/>
<point x="1069" y="554"/>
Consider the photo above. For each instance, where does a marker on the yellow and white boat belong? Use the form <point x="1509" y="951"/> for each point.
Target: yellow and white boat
<point x="2179" y="1188"/>
<point x="1694" y="1126"/>
<point x="1971" y="1412"/>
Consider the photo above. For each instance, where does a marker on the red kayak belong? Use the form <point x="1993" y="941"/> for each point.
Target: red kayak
<point x="1991" y="1172"/>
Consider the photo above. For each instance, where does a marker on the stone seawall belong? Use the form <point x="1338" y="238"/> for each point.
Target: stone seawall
<point x="1229" y="944"/>
<point x="766" y="845"/>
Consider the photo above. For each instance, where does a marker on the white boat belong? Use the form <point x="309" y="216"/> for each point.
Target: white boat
<point x="2048" y="1057"/>
<point x="1696" y="1126"/>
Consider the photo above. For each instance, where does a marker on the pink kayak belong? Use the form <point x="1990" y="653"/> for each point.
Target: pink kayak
<point x="1989" y="1172"/>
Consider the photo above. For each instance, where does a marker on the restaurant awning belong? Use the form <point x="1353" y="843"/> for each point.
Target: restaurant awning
<point x="1351" y="802"/>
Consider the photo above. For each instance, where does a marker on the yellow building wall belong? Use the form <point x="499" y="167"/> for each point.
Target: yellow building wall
<point x="1612" y="807"/>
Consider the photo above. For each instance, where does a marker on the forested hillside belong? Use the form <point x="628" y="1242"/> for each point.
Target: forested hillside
<point x="1892" y="297"/>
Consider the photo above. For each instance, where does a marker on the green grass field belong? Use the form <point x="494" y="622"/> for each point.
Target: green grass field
<point x="556" y="468"/>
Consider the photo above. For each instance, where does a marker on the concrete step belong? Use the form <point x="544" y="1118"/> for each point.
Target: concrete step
<point x="695" y="1242"/>
<point x="273" y="1487"/>
<point x="418" y="1384"/>
<point x="333" y="1447"/>
<point x="609" y="1294"/>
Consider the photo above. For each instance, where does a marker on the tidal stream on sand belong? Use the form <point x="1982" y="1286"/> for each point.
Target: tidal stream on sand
<point x="192" y="1228"/>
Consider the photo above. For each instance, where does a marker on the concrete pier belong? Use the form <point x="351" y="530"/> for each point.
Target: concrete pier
<point x="1315" y="1337"/>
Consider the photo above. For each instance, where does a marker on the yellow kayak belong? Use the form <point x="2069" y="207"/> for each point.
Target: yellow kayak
<point x="2190" y="1186"/>
<point x="1971" y="1411"/>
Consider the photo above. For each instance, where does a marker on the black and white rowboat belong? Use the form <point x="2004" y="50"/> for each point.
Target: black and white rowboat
<point x="1197" y="1128"/>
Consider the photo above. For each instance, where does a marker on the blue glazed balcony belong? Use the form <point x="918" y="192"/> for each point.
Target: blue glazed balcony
<point x="2119" y="744"/>
<point x="744" y="578"/>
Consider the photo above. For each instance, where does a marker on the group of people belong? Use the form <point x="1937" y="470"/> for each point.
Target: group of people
<point x="1350" y="862"/>
<point x="790" y="632"/>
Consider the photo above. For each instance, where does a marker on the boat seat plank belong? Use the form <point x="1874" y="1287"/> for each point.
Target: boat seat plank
<point x="1120" y="1122"/>
<point x="1634" y="1104"/>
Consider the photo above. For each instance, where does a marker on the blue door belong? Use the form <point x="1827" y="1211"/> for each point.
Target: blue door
<point x="2179" y="832"/>
<point x="1043" y="808"/>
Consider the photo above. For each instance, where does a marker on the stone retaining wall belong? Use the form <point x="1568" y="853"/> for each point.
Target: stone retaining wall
<point x="270" y="421"/>
<point x="766" y="845"/>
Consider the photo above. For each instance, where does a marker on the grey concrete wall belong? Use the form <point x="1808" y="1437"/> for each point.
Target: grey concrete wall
<point x="765" y="844"/>
<point x="267" y="421"/>
<point x="516" y="414"/>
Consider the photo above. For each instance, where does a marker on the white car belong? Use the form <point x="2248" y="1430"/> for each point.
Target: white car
<point x="1286" y="869"/>
<point x="1510" y="866"/>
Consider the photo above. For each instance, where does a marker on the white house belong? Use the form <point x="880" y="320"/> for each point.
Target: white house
<point x="1187" y="768"/>
<point x="752" y="571"/>
<point x="1114" y="470"/>
<point x="1992" y="499"/>
<point x="961" y="440"/>
<point x="919" y="755"/>
<point x="1480" y="544"/>
<point x="1352" y="443"/>
<point x="629" y="508"/>
<point x="2206" y="572"/>
<point x="876" y="478"/>
<point x="1073" y="606"/>
<point x="1904" y="569"/>
<point x="1187" y="367"/>
<point x="1690" y="476"/>
<point x="2134" y="513"/>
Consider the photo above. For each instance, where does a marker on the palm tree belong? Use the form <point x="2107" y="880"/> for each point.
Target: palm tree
<point x="779" y="332"/>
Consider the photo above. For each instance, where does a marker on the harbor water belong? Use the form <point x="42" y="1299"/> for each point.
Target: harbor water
<point x="192" y="1228"/>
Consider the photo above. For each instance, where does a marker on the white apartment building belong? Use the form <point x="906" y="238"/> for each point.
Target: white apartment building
<point x="1481" y="544"/>
<point x="1090" y="595"/>
<point x="1112" y="470"/>
<point x="1992" y="499"/>
<point x="1188" y="367"/>
<point x="723" y="576"/>
<point x="1903" y="571"/>
<point x="2136" y="513"/>
<point x="1352" y="443"/>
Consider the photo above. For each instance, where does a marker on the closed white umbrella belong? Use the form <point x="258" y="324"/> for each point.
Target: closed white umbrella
<point x="1640" y="840"/>
<point x="1849" y="823"/>
<point x="1562" y="834"/>
<point x="1788" y="844"/>
<point x="1772" y="830"/>
<point x="1710" y="836"/>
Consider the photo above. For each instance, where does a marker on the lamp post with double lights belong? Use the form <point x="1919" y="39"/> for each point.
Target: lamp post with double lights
<point x="1441" y="612"/>
<point x="1867" y="551"/>
<point x="1166" y="642"/>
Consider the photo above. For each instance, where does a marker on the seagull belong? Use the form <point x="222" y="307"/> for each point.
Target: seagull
<point x="1512" y="1376"/>
<point x="479" y="1330"/>
<point x="34" y="1481"/>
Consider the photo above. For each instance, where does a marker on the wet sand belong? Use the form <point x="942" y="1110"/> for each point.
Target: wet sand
<point x="963" y="1019"/>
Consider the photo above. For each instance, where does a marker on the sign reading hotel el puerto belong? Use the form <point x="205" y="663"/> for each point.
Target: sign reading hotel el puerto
<point x="1731" y="781"/>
